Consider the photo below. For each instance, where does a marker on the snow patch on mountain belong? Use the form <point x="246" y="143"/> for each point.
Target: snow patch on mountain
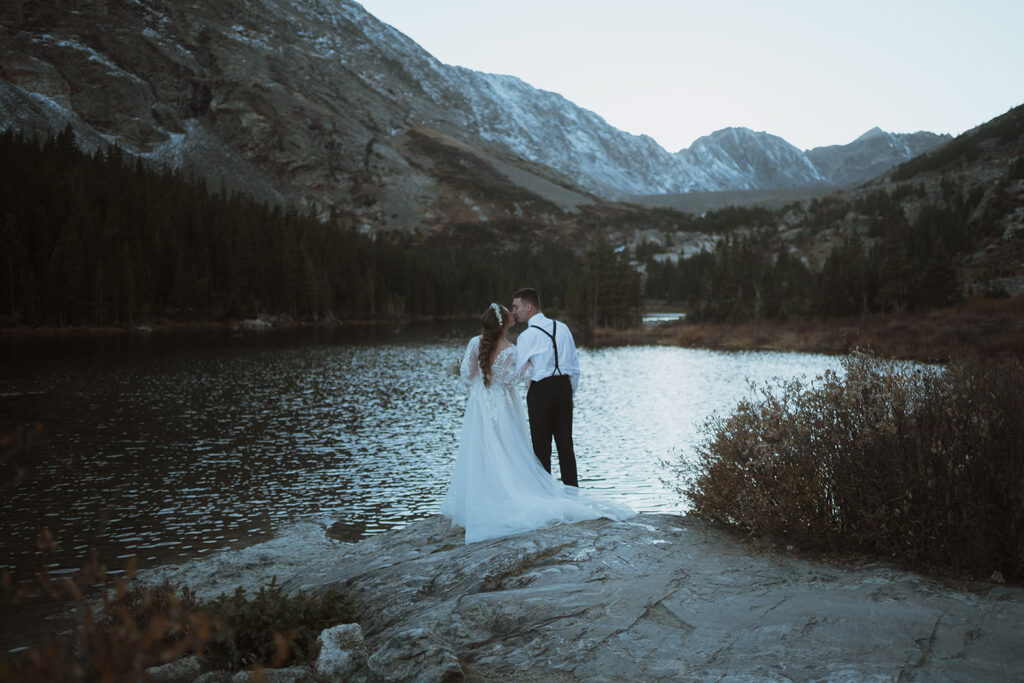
<point x="545" y="127"/>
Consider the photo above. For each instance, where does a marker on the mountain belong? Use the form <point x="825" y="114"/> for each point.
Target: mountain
<point x="316" y="103"/>
<point x="942" y="225"/>
<point x="740" y="159"/>
<point x="873" y="153"/>
<point x="764" y="159"/>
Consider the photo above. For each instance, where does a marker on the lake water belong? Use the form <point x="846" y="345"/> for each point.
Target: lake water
<point x="168" y="446"/>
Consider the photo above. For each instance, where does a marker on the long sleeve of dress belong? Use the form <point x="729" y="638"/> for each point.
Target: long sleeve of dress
<point x="470" y="367"/>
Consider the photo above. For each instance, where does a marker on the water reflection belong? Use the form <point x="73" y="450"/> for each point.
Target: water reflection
<point x="168" y="450"/>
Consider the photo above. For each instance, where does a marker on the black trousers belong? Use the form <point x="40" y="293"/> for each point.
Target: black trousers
<point x="549" y="406"/>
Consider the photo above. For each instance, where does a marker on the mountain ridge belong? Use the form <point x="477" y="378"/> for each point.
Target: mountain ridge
<point x="313" y="103"/>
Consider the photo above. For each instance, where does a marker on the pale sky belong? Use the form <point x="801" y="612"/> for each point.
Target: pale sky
<point x="813" y="72"/>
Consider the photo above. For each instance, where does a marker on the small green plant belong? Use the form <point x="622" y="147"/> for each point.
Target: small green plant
<point x="271" y="628"/>
<point x="920" y="465"/>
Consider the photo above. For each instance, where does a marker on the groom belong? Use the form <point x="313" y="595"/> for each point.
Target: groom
<point x="548" y="344"/>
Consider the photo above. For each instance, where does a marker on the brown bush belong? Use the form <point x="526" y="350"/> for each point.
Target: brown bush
<point x="116" y="639"/>
<point x="138" y="627"/>
<point x="135" y="627"/>
<point x="921" y="465"/>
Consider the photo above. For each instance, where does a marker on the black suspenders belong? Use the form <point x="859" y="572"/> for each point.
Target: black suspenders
<point x="554" y="325"/>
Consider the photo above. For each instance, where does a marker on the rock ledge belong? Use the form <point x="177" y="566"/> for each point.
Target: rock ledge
<point x="658" y="597"/>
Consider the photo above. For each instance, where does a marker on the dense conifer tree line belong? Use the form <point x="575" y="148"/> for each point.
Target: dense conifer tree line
<point x="102" y="239"/>
<point x="898" y="265"/>
<point x="105" y="240"/>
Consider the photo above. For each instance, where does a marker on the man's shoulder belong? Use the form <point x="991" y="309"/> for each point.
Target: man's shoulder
<point x="564" y="330"/>
<point x="534" y="332"/>
<point x="549" y="325"/>
<point x="560" y="325"/>
<point x="541" y="321"/>
<point x="545" y="322"/>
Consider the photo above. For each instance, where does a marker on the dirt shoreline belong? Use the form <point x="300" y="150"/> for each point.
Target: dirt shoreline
<point x="987" y="327"/>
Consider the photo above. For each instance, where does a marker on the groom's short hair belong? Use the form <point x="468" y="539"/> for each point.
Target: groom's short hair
<point x="529" y="295"/>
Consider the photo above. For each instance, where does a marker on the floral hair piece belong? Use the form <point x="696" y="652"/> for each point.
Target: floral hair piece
<point x="497" y="313"/>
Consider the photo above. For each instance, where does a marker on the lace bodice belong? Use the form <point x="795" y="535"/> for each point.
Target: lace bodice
<point x="503" y="369"/>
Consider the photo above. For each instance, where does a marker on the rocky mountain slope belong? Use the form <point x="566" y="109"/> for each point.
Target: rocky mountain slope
<point x="317" y="103"/>
<point x="873" y="153"/>
<point x="961" y="205"/>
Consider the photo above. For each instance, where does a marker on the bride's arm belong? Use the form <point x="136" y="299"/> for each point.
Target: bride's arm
<point x="470" y="366"/>
<point x="526" y="372"/>
<point x="519" y="373"/>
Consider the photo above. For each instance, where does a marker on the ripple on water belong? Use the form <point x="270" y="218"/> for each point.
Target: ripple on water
<point x="221" y="445"/>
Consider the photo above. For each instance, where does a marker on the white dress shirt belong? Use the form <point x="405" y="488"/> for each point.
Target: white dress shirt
<point x="533" y="346"/>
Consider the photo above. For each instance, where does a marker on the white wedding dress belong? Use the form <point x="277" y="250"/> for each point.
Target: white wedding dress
<point x="498" y="486"/>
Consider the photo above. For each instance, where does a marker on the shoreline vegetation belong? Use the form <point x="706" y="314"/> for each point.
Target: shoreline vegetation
<point x="919" y="466"/>
<point x="976" y="326"/>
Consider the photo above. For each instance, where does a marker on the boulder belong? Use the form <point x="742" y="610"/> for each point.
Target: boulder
<point x="214" y="677"/>
<point x="416" y="654"/>
<point x="342" y="652"/>
<point x="661" y="597"/>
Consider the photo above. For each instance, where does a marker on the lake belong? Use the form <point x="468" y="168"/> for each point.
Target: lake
<point x="156" y="448"/>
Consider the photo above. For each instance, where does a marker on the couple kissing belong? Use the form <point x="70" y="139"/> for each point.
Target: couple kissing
<point x="502" y="483"/>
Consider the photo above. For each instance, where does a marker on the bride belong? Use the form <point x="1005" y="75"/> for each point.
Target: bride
<point x="498" y="486"/>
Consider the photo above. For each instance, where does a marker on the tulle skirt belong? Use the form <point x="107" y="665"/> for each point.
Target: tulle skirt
<point x="498" y="486"/>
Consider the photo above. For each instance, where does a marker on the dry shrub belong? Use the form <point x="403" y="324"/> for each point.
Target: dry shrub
<point x="136" y="627"/>
<point x="921" y="465"/>
<point x="139" y="627"/>
<point x="116" y="639"/>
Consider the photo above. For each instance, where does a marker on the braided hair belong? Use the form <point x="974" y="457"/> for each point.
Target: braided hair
<point x="492" y="328"/>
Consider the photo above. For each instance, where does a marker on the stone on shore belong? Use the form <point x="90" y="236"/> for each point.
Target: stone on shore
<point x="214" y="677"/>
<point x="342" y="652"/>
<point x="416" y="654"/>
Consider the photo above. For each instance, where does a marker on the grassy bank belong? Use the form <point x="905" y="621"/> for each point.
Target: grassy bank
<point x="987" y="327"/>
